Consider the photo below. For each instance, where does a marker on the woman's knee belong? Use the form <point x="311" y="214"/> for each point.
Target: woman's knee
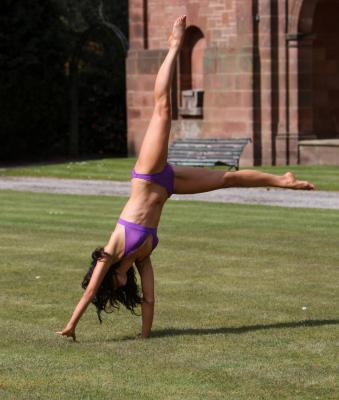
<point x="228" y="179"/>
<point x="163" y="106"/>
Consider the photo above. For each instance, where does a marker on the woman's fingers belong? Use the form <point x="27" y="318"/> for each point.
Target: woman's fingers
<point x="68" y="334"/>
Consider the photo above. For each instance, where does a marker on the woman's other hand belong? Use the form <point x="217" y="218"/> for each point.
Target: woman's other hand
<point x="69" y="332"/>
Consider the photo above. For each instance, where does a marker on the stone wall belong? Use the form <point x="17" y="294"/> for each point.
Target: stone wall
<point x="262" y="72"/>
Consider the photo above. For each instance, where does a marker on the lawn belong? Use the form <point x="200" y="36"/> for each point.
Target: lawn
<point x="119" y="169"/>
<point x="247" y="304"/>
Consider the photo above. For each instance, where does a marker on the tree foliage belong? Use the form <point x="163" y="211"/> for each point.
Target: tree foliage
<point x="37" y="39"/>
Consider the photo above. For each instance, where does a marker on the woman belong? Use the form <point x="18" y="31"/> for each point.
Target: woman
<point x="111" y="280"/>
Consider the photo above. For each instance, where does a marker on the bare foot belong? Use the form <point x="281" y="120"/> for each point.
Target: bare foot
<point x="177" y="35"/>
<point x="291" y="182"/>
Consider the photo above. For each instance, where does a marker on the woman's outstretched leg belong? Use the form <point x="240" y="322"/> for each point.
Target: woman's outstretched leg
<point x="252" y="178"/>
<point x="198" y="180"/>
<point x="153" y="153"/>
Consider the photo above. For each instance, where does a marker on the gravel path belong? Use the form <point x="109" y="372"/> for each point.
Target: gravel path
<point x="271" y="197"/>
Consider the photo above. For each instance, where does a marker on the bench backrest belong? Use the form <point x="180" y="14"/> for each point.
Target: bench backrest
<point x="203" y="152"/>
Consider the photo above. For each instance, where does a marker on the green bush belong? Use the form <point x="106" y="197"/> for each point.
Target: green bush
<point x="33" y="86"/>
<point x="37" y="40"/>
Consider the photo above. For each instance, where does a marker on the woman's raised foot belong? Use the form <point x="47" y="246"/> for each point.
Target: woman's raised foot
<point x="291" y="182"/>
<point x="177" y="35"/>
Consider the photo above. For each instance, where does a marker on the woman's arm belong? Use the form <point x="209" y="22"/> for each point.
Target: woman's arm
<point x="96" y="279"/>
<point x="147" y="284"/>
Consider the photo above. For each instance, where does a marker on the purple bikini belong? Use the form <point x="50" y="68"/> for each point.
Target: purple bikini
<point x="165" y="178"/>
<point x="135" y="234"/>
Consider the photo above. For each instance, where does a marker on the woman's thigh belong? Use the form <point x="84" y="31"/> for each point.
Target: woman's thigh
<point x="189" y="180"/>
<point x="153" y="152"/>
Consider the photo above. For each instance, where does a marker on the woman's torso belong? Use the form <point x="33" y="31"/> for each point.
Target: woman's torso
<point x="143" y="208"/>
<point x="145" y="204"/>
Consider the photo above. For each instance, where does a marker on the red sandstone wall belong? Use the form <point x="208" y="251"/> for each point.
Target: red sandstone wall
<point x="261" y="78"/>
<point x="227" y="66"/>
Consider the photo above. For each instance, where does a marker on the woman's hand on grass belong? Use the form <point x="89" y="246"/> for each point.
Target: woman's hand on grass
<point x="141" y="336"/>
<point x="68" y="331"/>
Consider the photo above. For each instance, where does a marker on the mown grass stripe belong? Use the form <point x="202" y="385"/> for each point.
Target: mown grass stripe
<point x="231" y="284"/>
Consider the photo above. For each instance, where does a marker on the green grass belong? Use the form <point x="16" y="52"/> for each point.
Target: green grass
<point x="119" y="169"/>
<point x="231" y="284"/>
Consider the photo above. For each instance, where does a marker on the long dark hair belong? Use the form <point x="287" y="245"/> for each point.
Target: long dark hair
<point x="107" y="297"/>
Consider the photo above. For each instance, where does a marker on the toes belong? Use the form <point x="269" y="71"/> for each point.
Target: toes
<point x="307" y="186"/>
<point x="180" y="19"/>
<point x="177" y="21"/>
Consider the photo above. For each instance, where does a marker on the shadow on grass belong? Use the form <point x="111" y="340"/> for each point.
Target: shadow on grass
<point x="237" y="330"/>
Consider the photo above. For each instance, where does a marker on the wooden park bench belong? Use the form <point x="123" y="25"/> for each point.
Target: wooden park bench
<point x="207" y="152"/>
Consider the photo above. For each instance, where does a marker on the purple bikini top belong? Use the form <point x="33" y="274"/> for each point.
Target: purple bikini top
<point x="136" y="234"/>
<point x="165" y="178"/>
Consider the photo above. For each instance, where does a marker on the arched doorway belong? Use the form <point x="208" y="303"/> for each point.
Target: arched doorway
<point x="191" y="74"/>
<point x="318" y="69"/>
<point x="326" y="69"/>
<point x="98" y="93"/>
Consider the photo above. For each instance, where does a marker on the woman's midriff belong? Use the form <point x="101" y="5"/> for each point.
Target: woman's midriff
<point x="144" y="209"/>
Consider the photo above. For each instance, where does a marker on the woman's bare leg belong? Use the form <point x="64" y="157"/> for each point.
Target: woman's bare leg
<point x="198" y="180"/>
<point x="153" y="153"/>
<point x="253" y="178"/>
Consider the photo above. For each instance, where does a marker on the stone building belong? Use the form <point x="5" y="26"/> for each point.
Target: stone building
<point x="263" y="69"/>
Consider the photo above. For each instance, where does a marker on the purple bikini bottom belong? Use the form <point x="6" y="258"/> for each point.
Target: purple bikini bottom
<point x="135" y="236"/>
<point x="165" y="178"/>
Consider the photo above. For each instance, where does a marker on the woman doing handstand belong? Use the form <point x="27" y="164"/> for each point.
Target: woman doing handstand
<point x="111" y="278"/>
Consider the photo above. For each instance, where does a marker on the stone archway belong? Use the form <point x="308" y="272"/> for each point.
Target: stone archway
<point x="313" y="60"/>
<point x="314" y="28"/>
<point x="301" y="16"/>
<point x="97" y="93"/>
<point x="191" y="59"/>
<point x="325" y="70"/>
<point x="191" y="74"/>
